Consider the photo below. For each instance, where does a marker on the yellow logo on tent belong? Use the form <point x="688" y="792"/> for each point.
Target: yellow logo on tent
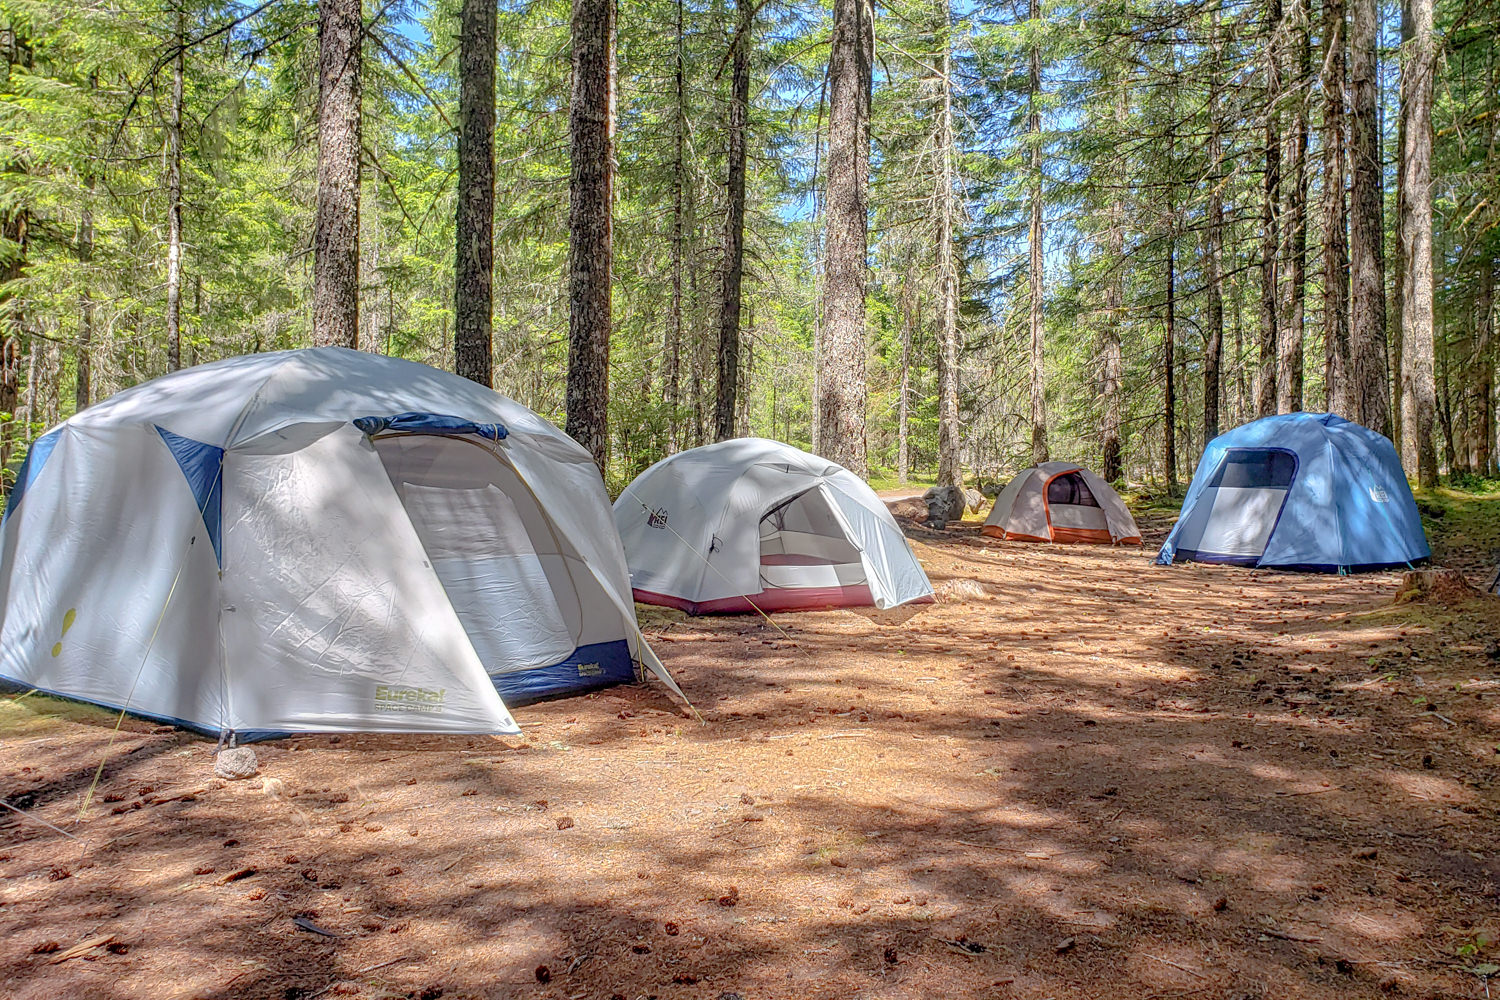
<point x="396" y="698"/>
<point x="590" y="670"/>
<point x="68" y="619"/>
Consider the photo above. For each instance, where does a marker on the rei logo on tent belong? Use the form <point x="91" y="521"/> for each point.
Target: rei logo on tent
<point x="657" y="518"/>
<point x="394" y="698"/>
<point x="1379" y="495"/>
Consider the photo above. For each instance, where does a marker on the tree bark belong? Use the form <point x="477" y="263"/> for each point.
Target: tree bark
<point x="906" y="299"/>
<point x="950" y="457"/>
<point x="1213" y="343"/>
<point x="590" y="225"/>
<point x="1484" y="368"/>
<point x="1270" y="239"/>
<point x="1367" y="337"/>
<point x="1417" y="313"/>
<point x="1336" y="364"/>
<point x="83" y="362"/>
<point x="1038" y="373"/>
<point x="1290" y="348"/>
<point x="336" y="229"/>
<point x="474" y="252"/>
<point x="174" y="201"/>
<point x="1112" y="360"/>
<point x="734" y="226"/>
<point x="679" y="182"/>
<point x="1403" y="415"/>
<point x="842" y="344"/>
<point x="1169" y="351"/>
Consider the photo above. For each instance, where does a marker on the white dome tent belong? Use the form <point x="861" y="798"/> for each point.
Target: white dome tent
<point x="751" y="524"/>
<point x="313" y="541"/>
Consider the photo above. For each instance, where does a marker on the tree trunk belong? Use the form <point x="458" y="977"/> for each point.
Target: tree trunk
<point x="1290" y="350"/>
<point x="1112" y="359"/>
<point x="1038" y="377"/>
<point x="747" y="375"/>
<point x="14" y="226"/>
<point x="1416" y="239"/>
<point x="842" y="344"/>
<point x="1403" y="413"/>
<point x="174" y="202"/>
<point x="83" y="367"/>
<point x="903" y="403"/>
<point x="10" y="396"/>
<point x="1336" y="364"/>
<point x="734" y="226"/>
<point x="679" y="182"/>
<point x="1169" y="351"/>
<point x="1484" y="368"/>
<point x="590" y="225"/>
<point x="1367" y="339"/>
<point x="474" y="251"/>
<point x="950" y="457"/>
<point x="1270" y="238"/>
<point x="1213" y="341"/>
<point x="336" y="230"/>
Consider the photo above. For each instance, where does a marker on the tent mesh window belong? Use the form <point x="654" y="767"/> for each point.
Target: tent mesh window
<point x="1256" y="469"/>
<point x="804" y="532"/>
<point x="1070" y="490"/>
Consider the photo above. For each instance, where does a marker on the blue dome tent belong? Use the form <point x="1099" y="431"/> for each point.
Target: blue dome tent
<point x="1302" y="491"/>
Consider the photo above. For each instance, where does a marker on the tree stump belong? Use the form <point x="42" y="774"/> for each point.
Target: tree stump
<point x="1440" y="586"/>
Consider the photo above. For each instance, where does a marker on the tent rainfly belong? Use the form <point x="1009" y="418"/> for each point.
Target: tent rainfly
<point x="317" y="540"/>
<point x="1061" y="502"/>
<point x="1299" y="491"/>
<point x="752" y="524"/>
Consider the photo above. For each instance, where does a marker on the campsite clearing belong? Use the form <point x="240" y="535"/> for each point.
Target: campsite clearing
<point x="1078" y="775"/>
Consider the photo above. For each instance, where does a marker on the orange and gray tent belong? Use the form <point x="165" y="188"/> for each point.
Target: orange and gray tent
<point x="1061" y="502"/>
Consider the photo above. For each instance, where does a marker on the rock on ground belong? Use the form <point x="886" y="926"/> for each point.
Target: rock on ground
<point x="235" y="762"/>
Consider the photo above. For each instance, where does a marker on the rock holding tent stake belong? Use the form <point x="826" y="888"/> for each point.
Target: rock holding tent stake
<point x="236" y="762"/>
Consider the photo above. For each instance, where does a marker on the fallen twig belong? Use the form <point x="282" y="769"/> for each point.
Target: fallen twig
<point x="81" y="948"/>
<point x="1166" y="961"/>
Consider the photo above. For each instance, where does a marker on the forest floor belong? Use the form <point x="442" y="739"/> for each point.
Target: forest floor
<point x="1076" y="775"/>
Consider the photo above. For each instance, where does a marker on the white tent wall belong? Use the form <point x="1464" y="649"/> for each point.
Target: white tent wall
<point x="692" y="527"/>
<point x="62" y="617"/>
<point x="348" y="627"/>
<point x="891" y="571"/>
<point x="524" y="599"/>
<point x="1117" y="519"/>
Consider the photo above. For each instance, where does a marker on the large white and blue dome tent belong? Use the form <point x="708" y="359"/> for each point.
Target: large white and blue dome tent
<point x="314" y="541"/>
<point x="1299" y="491"/>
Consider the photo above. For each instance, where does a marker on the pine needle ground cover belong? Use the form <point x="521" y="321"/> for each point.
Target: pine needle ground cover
<point x="1077" y="775"/>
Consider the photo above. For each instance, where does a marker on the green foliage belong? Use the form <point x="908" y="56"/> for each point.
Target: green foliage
<point x="1132" y="94"/>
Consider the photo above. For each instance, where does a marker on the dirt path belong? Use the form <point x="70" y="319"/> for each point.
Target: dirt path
<point x="1078" y="776"/>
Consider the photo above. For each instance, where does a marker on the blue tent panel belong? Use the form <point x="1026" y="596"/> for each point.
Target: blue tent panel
<point x="597" y="665"/>
<point x="203" y="467"/>
<point x="36" y="457"/>
<point x="1308" y="491"/>
<point x="429" y="423"/>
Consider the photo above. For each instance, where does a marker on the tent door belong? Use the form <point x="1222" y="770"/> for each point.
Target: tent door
<point x="1234" y="518"/>
<point x="803" y="545"/>
<point x="483" y="532"/>
<point x="1072" y="511"/>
